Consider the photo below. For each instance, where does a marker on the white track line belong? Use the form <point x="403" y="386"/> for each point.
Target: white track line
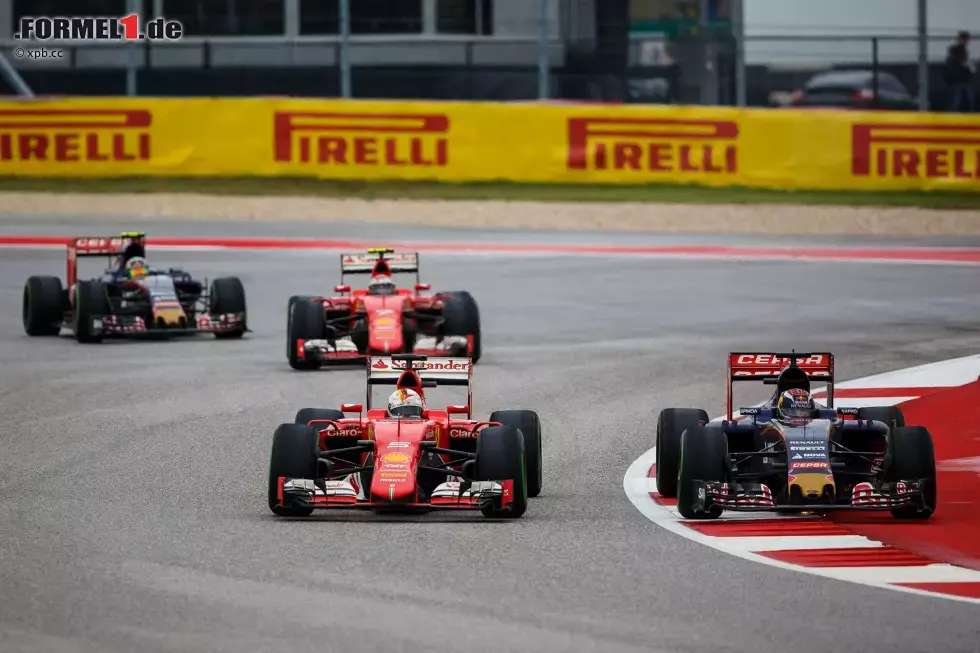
<point x="638" y="487"/>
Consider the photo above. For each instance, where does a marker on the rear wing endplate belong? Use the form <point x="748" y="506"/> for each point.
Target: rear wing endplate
<point x="767" y="366"/>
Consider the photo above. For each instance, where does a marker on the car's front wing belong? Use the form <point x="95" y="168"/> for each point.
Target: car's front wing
<point x="343" y="349"/>
<point x="134" y="325"/>
<point x="750" y="496"/>
<point x="306" y="493"/>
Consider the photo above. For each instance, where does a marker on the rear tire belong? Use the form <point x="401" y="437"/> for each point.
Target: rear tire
<point x="462" y="317"/>
<point x="305" y="322"/>
<point x="913" y="457"/>
<point x="500" y="456"/>
<point x="41" y="309"/>
<point x="891" y="415"/>
<point x="703" y="458"/>
<point x="294" y="455"/>
<point x="671" y="425"/>
<point x="228" y="296"/>
<point x="530" y="426"/>
<point x="91" y="303"/>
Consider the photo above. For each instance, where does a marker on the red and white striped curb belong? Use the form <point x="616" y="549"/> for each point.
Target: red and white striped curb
<point x="816" y="545"/>
<point x="881" y="254"/>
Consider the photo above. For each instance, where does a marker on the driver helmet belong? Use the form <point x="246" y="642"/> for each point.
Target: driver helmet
<point x="405" y="403"/>
<point x="381" y="284"/>
<point x="136" y="267"/>
<point x="796" y="404"/>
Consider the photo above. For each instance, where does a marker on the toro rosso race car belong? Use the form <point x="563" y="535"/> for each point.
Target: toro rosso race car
<point x="130" y="298"/>
<point x="381" y="319"/>
<point x="407" y="458"/>
<point x="792" y="454"/>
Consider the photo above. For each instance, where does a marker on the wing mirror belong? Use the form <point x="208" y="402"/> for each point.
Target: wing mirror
<point x="341" y="288"/>
<point x="351" y="408"/>
<point x="457" y="410"/>
<point x="419" y="287"/>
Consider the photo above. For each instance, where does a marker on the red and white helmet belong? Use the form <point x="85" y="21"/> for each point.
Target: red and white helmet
<point x="382" y="284"/>
<point x="405" y="403"/>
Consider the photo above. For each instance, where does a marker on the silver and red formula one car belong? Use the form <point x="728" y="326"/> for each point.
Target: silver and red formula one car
<point x="365" y="457"/>
<point x="792" y="454"/>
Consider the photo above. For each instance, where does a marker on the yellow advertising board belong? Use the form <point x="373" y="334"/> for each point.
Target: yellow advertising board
<point x="521" y="142"/>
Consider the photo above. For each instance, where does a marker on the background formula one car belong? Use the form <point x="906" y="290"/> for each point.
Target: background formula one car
<point x="443" y="460"/>
<point x="846" y="458"/>
<point x="161" y="302"/>
<point x="381" y="320"/>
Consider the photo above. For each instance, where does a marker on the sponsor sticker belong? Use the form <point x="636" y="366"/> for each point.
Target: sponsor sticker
<point x="395" y="458"/>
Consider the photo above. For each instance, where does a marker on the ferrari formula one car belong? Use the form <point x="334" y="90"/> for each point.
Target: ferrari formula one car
<point x="360" y="457"/>
<point x="121" y="304"/>
<point x="822" y="459"/>
<point x="380" y="319"/>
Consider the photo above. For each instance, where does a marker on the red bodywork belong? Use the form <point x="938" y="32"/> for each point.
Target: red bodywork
<point x="385" y="314"/>
<point x="397" y="444"/>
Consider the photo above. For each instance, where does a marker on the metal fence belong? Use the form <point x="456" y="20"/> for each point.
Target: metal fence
<point x="704" y="67"/>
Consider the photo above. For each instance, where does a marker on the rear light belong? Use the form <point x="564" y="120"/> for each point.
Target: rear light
<point x="797" y="96"/>
<point x="863" y="94"/>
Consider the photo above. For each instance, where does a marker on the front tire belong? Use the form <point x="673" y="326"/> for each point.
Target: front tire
<point x="671" y="424"/>
<point x="499" y="457"/>
<point x="913" y="457"/>
<point x="41" y="309"/>
<point x="305" y="322"/>
<point x="530" y="426"/>
<point x="704" y="450"/>
<point x="294" y="455"/>
<point x="91" y="303"/>
<point x="227" y="295"/>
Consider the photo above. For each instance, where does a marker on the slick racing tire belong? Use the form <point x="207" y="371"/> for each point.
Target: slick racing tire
<point x="500" y="456"/>
<point x="891" y="415"/>
<point x="305" y="415"/>
<point x="530" y="426"/>
<point x="462" y="317"/>
<point x="913" y="457"/>
<point x="90" y="303"/>
<point x="228" y="296"/>
<point x="671" y="425"/>
<point x="703" y="453"/>
<point x="294" y="455"/>
<point x="305" y="322"/>
<point x="41" y="310"/>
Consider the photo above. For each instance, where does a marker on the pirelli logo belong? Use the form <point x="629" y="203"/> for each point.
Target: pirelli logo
<point x="915" y="151"/>
<point x="362" y="139"/>
<point x="653" y="145"/>
<point x="74" y="135"/>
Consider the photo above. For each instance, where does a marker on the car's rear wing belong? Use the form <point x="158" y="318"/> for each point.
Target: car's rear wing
<point x="111" y="246"/>
<point x="417" y="372"/>
<point x="406" y="262"/>
<point x="767" y="366"/>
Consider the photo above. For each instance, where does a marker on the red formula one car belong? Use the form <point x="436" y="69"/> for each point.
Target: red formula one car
<point x="130" y="298"/>
<point x="381" y="319"/>
<point x="792" y="454"/>
<point x="364" y="457"/>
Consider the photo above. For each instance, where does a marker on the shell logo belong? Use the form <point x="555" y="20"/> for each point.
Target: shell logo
<point x="395" y="458"/>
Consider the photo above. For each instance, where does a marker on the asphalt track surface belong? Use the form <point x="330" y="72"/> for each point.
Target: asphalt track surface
<point x="132" y="474"/>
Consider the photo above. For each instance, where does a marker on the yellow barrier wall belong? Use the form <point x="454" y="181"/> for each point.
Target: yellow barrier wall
<point x="451" y="141"/>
